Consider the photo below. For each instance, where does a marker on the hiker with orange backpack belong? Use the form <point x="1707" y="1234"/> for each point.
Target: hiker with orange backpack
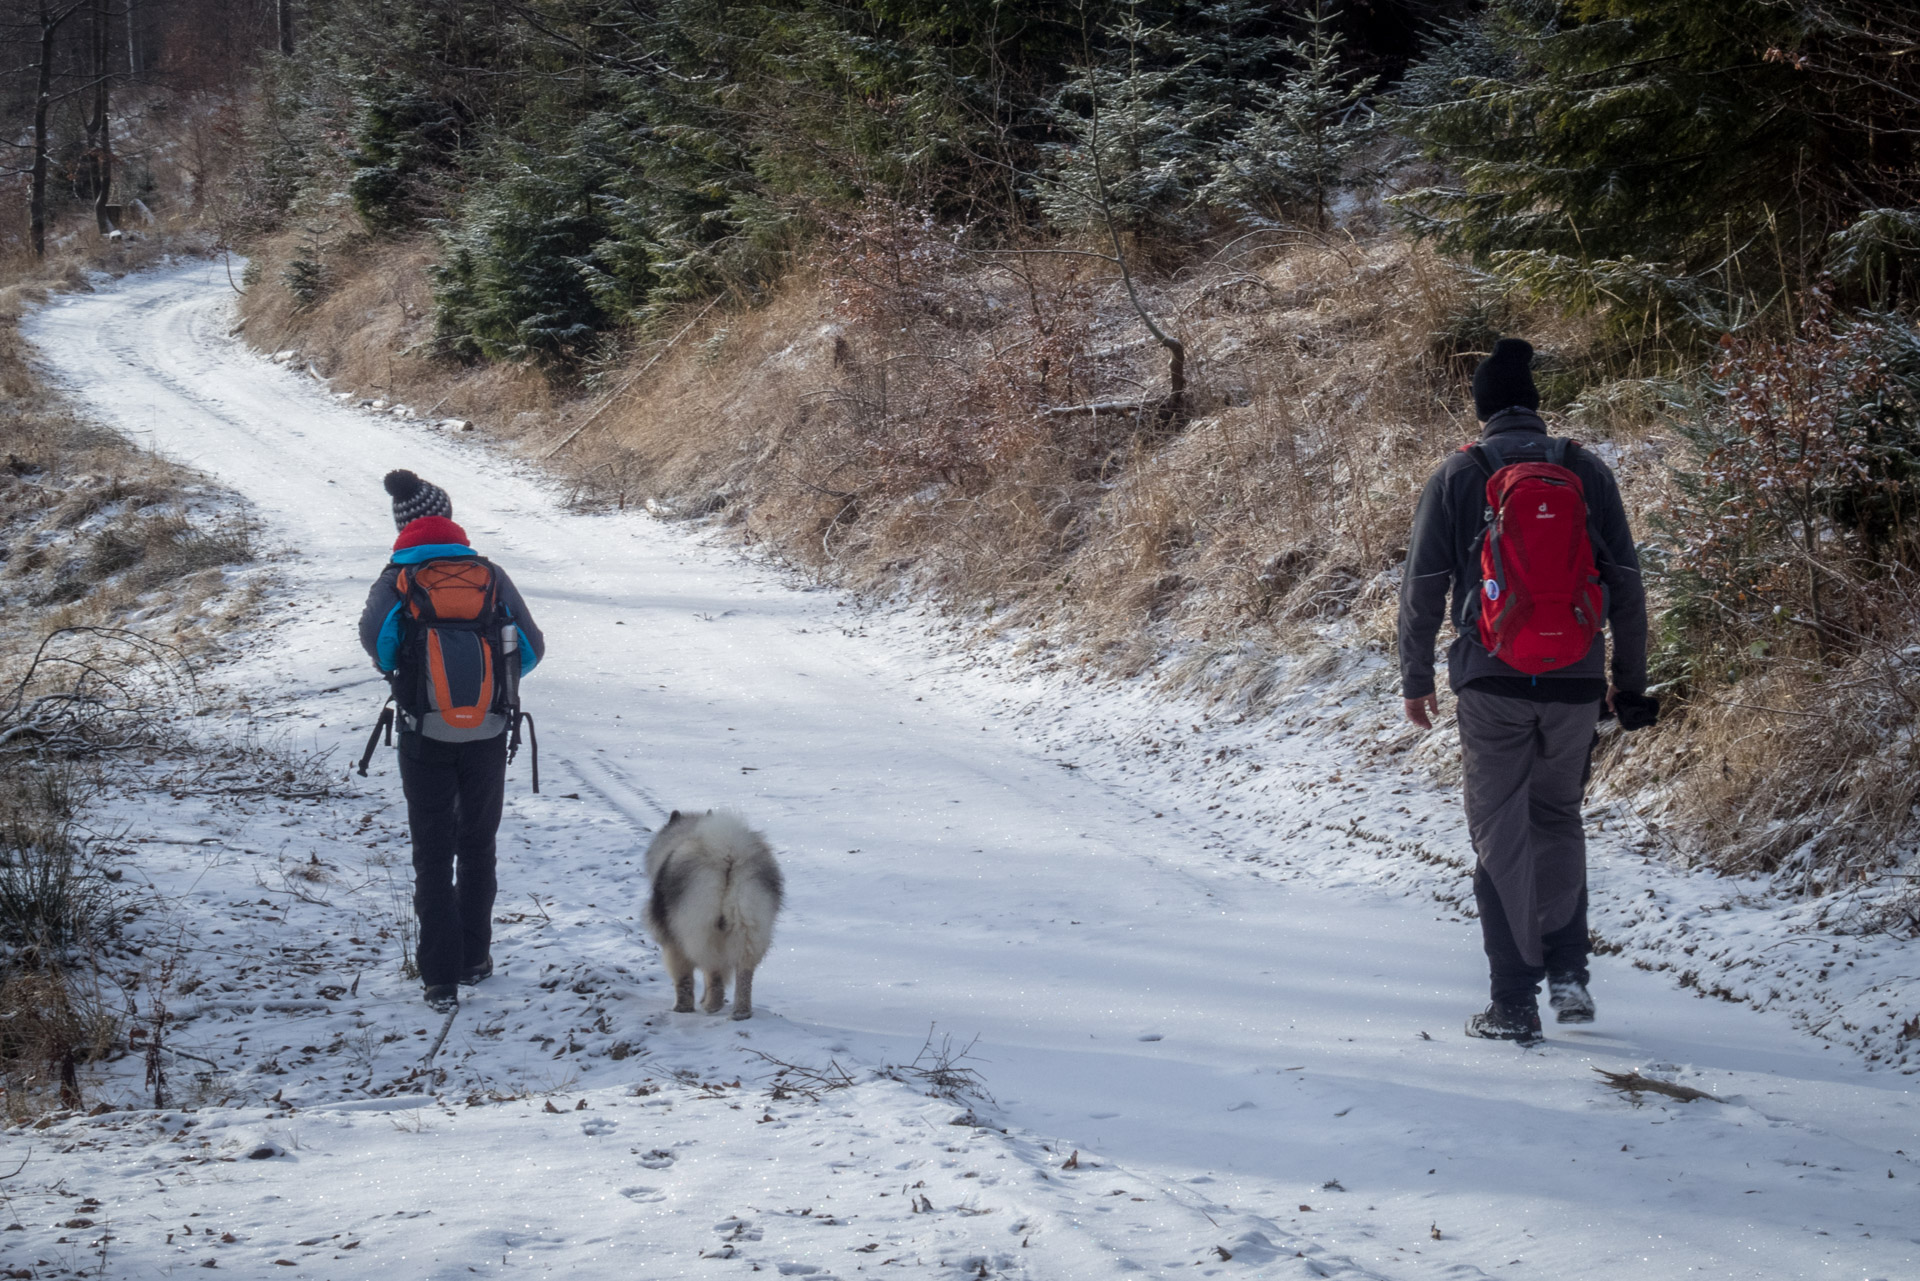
<point x="453" y="637"/>
<point x="1529" y="534"/>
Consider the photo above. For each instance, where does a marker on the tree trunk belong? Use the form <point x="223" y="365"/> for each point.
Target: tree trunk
<point x="99" y="126"/>
<point x="42" y="101"/>
<point x="284" y="9"/>
<point x="69" y="1080"/>
<point x="1173" y="412"/>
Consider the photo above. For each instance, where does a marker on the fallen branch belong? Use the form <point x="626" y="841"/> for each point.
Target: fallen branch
<point x="1635" y="1084"/>
<point x="1096" y="407"/>
<point x="810" y="1083"/>
<point x="426" y="1060"/>
<point x="117" y="690"/>
<point x="622" y="388"/>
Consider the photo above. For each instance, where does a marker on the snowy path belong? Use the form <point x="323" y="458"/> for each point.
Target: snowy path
<point x="1229" y="1050"/>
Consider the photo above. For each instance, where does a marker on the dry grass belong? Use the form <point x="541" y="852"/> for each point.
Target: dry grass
<point x="52" y="1020"/>
<point x="1805" y="769"/>
<point x="94" y="530"/>
<point x="370" y="330"/>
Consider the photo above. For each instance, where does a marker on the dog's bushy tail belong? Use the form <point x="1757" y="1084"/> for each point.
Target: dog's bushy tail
<point x="719" y="893"/>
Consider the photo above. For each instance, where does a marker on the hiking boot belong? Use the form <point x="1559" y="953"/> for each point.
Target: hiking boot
<point x="1570" y="999"/>
<point x="483" y="970"/>
<point x="1506" y="1023"/>
<point x="443" y="997"/>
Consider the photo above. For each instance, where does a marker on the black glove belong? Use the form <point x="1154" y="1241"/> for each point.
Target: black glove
<point x="1636" y="711"/>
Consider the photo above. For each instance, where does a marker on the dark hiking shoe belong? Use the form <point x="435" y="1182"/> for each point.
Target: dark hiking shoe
<point x="1506" y="1023"/>
<point x="443" y="997"/>
<point x="1570" y="1000"/>
<point x="478" y="972"/>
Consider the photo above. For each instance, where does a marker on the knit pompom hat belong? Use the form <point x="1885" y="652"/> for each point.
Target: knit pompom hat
<point x="1505" y="379"/>
<point x="414" y="498"/>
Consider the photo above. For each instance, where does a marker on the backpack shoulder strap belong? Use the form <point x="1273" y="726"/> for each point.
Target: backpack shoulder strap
<point x="1482" y="458"/>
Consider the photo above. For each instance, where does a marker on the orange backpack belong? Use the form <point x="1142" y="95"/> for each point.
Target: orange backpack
<point x="457" y="678"/>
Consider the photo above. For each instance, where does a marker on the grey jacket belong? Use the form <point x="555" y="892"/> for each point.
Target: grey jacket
<point x="1440" y="558"/>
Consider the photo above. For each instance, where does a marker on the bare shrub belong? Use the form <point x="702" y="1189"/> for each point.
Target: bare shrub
<point x="52" y="1019"/>
<point x="788" y="1080"/>
<point x="1788" y="563"/>
<point x="939" y="1069"/>
<point x="57" y="900"/>
<point x="1802" y="489"/>
<point x="54" y="894"/>
<point x="86" y="690"/>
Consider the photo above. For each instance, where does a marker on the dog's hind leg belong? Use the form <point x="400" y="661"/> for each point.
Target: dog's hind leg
<point x="743" y="993"/>
<point x="716" y="994"/>
<point x="680" y="969"/>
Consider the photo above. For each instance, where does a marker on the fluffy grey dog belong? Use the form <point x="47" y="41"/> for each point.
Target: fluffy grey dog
<point x="716" y="890"/>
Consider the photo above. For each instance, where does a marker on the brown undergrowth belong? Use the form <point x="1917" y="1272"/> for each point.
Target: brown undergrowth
<point x="989" y="429"/>
<point x="116" y="566"/>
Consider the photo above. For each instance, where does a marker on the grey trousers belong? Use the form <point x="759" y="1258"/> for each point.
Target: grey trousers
<point x="1525" y="767"/>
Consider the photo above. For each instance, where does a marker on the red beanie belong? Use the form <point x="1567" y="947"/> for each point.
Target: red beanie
<point x="429" y="529"/>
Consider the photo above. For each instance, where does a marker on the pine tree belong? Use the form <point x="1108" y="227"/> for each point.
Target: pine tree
<point x="1307" y="138"/>
<point x="1685" y="139"/>
<point x="522" y="274"/>
<point x="1139" y="124"/>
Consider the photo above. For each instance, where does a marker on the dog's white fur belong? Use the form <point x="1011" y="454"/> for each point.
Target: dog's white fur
<point x="716" y="891"/>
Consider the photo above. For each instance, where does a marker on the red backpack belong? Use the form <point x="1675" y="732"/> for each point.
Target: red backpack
<point x="1541" y="603"/>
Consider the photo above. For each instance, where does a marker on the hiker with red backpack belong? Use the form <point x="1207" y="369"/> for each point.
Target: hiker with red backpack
<point x="1528" y="533"/>
<point x="452" y="635"/>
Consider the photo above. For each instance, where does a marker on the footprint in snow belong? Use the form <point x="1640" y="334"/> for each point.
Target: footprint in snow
<point x="644" y="1195"/>
<point x="599" y="1125"/>
<point x="658" y="1159"/>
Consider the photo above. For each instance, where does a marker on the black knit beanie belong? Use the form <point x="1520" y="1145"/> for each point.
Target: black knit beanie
<point x="414" y="498"/>
<point x="1505" y="379"/>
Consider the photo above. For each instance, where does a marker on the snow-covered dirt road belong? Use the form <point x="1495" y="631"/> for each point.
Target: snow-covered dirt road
<point x="1261" y="1076"/>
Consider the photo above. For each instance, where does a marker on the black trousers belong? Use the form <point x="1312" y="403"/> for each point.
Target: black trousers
<point x="453" y="809"/>
<point x="1514" y="981"/>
